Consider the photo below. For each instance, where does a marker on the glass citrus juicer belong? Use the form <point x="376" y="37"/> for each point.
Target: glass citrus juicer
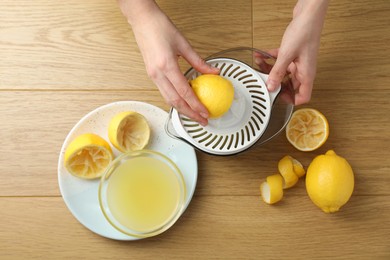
<point x="256" y="115"/>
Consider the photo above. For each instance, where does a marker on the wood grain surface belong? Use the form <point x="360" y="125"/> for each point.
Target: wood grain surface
<point x="62" y="59"/>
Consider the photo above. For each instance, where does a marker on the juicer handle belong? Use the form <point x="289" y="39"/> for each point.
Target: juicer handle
<point x="169" y="127"/>
<point x="274" y="94"/>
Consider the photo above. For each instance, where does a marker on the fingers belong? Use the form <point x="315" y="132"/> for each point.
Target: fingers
<point x="265" y="60"/>
<point x="195" y="60"/>
<point x="185" y="91"/>
<point x="278" y="72"/>
<point x="304" y="94"/>
<point x="273" y="52"/>
<point x="302" y="89"/>
<point x="263" y="63"/>
<point x="173" y="98"/>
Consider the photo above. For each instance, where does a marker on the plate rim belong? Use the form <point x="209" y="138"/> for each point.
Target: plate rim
<point x="190" y="192"/>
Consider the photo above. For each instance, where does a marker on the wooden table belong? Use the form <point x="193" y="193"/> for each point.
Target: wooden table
<point x="62" y="59"/>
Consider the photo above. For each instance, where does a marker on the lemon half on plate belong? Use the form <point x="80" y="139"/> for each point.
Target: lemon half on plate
<point x="129" y="131"/>
<point x="87" y="156"/>
<point x="80" y="196"/>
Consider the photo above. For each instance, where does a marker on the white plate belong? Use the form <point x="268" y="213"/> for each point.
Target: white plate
<point x="81" y="196"/>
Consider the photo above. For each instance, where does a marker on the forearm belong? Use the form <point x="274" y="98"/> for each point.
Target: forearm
<point x="314" y="10"/>
<point x="136" y="11"/>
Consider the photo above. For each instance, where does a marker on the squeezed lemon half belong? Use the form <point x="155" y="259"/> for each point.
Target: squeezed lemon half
<point x="87" y="156"/>
<point x="307" y="129"/>
<point x="129" y="131"/>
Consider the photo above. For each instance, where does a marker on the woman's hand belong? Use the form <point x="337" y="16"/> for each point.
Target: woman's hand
<point x="161" y="45"/>
<point x="297" y="54"/>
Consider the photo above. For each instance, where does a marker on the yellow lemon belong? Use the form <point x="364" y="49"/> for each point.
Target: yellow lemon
<point x="307" y="129"/>
<point x="87" y="156"/>
<point x="214" y="92"/>
<point x="298" y="168"/>
<point x="290" y="169"/>
<point x="272" y="189"/>
<point x="329" y="181"/>
<point x="129" y="131"/>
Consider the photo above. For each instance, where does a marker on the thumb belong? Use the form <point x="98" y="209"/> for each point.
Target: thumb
<point x="277" y="73"/>
<point x="197" y="62"/>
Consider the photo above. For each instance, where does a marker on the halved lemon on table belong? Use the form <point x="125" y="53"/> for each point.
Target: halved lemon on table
<point x="88" y="156"/>
<point x="129" y="131"/>
<point x="307" y="129"/>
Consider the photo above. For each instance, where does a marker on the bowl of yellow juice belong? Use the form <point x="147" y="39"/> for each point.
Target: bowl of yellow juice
<point x="142" y="193"/>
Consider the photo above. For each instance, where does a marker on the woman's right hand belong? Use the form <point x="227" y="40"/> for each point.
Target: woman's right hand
<point x="161" y="45"/>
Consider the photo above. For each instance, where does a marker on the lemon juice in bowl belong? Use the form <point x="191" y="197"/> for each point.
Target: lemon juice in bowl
<point x="142" y="193"/>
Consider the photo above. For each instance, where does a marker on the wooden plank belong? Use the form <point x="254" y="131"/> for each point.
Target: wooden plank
<point x="35" y="124"/>
<point x="353" y="52"/>
<point x="223" y="227"/>
<point x="89" y="45"/>
<point x="69" y="45"/>
<point x="270" y="19"/>
<point x="61" y="60"/>
<point x="212" y="26"/>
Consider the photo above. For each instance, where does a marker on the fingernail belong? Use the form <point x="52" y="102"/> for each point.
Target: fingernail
<point x="257" y="60"/>
<point x="204" y="115"/>
<point x="215" y="69"/>
<point x="271" y="85"/>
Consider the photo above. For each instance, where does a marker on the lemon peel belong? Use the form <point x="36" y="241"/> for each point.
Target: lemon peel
<point x="286" y="169"/>
<point x="129" y="131"/>
<point x="87" y="156"/>
<point x="272" y="189"/>
<point x="291" y="170"/>
<point x="298" y="168"/>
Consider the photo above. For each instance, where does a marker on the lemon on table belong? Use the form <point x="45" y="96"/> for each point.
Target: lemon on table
<point x="329" y="181"/>
<point x="87" y="156"/>
<point x="291" y="170"/>
<point x="272" y="189"/>
<point x="129" y="131"/>
<point x="214" y="92"/>
<point x="298" y="168"/>
<point x="307" y="129"/>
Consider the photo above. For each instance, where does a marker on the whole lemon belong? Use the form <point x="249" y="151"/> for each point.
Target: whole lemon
<point x="329" y="181"/>
<point x="215" y="92"/>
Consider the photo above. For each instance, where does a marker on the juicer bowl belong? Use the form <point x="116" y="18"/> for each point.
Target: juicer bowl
<point x="283" y="105"/>
<point x="256" y="115"/>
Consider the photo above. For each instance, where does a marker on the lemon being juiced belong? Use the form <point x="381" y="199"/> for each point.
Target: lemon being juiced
<point x="215" y="92"/>
<point x="329" y="181"/>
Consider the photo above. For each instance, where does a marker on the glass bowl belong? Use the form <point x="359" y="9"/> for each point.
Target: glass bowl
<point x="142" y="193"/>
<point x="263" y="62"/>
